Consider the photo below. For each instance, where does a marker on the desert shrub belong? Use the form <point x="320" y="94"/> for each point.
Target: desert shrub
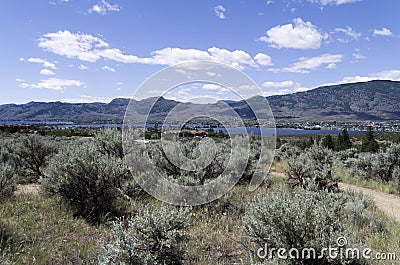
<point x="8" y="170"/>
<point x="345" y="155"/>
<point x="8" y="181"/>
<point x="151" y="237"/>
<point x="379" y="166"/>
<point x="396" y="177"/>
<point x="365" y="165"/>
<point x="314" y="164"/>
<point x="260" y="157"/>
<point x="7" y="153"/>
<point x="304" y="219"/>
<point x="287" y="151"/>
<point x="109" y="142"/>
<point x="197" y="161"/>
<point x="87" y="180"/>
<point x="7" y="237"/>
<point x="359" y="212"/>
<point x="358" y="207"/>
<point x="391" y="160"/>
<point x="33" y="154"/>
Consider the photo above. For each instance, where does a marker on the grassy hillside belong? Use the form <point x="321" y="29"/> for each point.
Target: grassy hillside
<point x="374" y="100"/>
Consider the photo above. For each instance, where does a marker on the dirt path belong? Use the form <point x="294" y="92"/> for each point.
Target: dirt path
<point x="28" y="189"/>
<point x="388" y="203"/>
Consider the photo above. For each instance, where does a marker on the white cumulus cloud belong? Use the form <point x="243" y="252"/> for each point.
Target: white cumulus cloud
<point x="108" y="68"/>
<point x="333" y="2"/>
<point x="299" y="35"/>
<point x="103" y="7"/>
<point x="331" y="66"/>
<point x="46" y="72"/>
<point x="88" y="48"/>
<point x="89" y="99"/>
<point x="76" y="46"/>
<point x="305" y="65"/>
<point x="278" y="84"/>
<point x="278" y="92"/>
<point x="348" y="31"/>
<point x="393" y="75"/>
<point x="45" y="63"/>
<point x="263" y="59"/>
<point x="215" y="88"/>
<point x="357" y="55"/>
<point x="383" y="32"/>
<point x="53" y="84"/>
<point x="220" y="11"/>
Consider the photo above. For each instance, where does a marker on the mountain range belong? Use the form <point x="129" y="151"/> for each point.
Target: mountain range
<point x="374" y="100"/>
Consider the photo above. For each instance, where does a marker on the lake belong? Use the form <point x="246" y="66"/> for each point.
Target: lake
<point x="279" y="131"/>
<point x="231" y="130"/>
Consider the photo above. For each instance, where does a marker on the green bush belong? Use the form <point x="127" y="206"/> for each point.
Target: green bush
<point x="8" y="181"/>
<point x="396" y="176"/>
<point x="304" y="219"/>
<point x="8" y="169"/>
<point x="109" y="142"/>
<point x="33" y="154"/>
<point x="195" y="159"/>
<point x="286" y="151"/>
<point x="198" y="161"/>
<point x="150" y="237"/>
<point x="7" y="238"/>
<point x="314" y="164"/>
<point x="7" y="152"/>
<point x="379" y="166"/>
<point x="61" y="133"/>
<point x="87" y="180"/>
<point x="359" y="211"/>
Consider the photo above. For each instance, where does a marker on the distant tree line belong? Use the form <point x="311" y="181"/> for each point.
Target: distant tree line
<point x="340" y="143"/>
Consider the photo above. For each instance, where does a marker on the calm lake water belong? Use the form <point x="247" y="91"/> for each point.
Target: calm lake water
<point x="279" y="131"/>
<point x="231" y="130"/>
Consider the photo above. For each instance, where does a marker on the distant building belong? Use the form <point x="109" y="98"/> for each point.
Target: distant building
<point x="187" y="133"/>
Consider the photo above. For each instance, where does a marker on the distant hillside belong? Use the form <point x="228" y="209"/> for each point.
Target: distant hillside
<point x="374" y="100"/>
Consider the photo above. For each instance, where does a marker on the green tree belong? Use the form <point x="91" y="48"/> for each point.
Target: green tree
<point x="327" y="142"/>
<point x="307" y="143"/>
<point x="310" y="142"/>
<point x="339" y="142"/>
<point x="343" y="141"/>
<point x="369" y="143"/>
<point x="346" y="140"/>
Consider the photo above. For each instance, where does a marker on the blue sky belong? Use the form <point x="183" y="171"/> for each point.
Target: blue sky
<point x="86" y="51"/>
